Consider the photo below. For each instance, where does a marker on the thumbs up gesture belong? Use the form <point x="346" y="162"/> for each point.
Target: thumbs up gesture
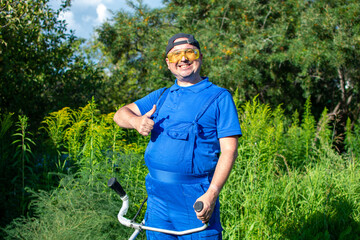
<point x="145" y="123"/>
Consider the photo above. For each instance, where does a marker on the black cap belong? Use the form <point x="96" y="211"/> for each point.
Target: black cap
<point x="190" y="40"/>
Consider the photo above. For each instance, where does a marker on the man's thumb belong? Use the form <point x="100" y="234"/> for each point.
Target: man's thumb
<point x="151" y="112"/>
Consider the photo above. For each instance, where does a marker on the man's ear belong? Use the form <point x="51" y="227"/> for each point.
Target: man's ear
<point x="167" y="62"/>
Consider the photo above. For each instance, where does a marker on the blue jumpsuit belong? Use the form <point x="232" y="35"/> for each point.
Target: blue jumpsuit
<point x="182" y="154"/>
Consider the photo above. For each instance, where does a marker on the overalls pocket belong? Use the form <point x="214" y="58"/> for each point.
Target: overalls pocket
<point x="179" y="140"/>
<point x="172" y="151"/>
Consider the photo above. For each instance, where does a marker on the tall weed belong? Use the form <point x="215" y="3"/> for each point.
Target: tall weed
<point x="260" y="132"/>
<point x="308" y="133"/>
<point x="23" y="153"/>
<point x="55" y="125"/>
<point x="352" y="140"/>
<point x="295" y="149"/>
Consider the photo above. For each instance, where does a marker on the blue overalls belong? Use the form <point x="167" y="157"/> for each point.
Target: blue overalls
<point x="175" y="179"/>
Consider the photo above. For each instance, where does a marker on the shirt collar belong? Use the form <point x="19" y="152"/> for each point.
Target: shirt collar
<point x="194" y="88"/>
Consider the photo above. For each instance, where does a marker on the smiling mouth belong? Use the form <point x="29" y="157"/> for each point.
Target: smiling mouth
<point x="184" y="65"/>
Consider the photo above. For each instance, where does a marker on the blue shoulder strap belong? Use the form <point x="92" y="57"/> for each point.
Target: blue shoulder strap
<point x="209" y="102"/>
<point x="160" y="102"/>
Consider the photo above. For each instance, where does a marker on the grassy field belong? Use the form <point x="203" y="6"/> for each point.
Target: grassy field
<point x="289" y="181"/>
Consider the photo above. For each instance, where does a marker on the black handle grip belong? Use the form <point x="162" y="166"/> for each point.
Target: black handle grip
<point x="198" y="206"/>
<point x="115" y="185"/>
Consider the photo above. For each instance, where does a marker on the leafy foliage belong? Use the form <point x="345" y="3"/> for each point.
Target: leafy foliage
<point x="296" y="186"/>
<point x="40" y="63"/>
<point x="75" y="210"/>
<point x="280" y="51"/>
<point x="6" y="153"/>
<point x="132" y="45"/>
<point x="289" y="181"/>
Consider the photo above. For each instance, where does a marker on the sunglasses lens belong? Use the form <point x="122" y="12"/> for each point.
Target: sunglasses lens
<point x="190" y="54"/>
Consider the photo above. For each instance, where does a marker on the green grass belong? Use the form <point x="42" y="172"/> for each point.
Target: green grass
<point x="289" y="182"/>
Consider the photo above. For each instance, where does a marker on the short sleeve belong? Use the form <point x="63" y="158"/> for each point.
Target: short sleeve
<point x="227" y="117"/>
<point x="146" y="103"/>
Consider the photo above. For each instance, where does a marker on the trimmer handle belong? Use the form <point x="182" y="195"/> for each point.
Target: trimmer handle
<point x="115" y="185"/>
<point x="198" y="206"/>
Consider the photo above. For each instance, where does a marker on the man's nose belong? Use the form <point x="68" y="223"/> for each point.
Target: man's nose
<point x="183" y="57"/>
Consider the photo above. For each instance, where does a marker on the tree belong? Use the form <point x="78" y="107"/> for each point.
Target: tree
<point x="41" y="66"/>
<point x="131" y="42"/>
<point x="327" y="49"/>
<point x="283" y="51"/>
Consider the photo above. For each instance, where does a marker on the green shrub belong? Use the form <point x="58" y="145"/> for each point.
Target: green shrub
<point x="80" y="209"/>
<point x="288" y="182"/>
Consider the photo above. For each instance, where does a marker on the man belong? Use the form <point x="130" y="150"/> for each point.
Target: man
<point x="190" y="123"/>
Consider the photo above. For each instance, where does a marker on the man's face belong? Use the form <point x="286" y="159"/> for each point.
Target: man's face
<point x="185" y="69"/>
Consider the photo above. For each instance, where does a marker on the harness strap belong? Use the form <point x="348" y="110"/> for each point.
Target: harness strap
<point x="195" y="124"/>
<point x="208" y="103"/>
<point x="160" y="102"/>
<point x="174" y="177"/>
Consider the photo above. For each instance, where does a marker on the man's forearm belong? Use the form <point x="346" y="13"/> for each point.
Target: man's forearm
<point x="224" y="165"/>
<point x="125" y="117"/>
<point x="222" y="171"/>
<point x="129" y="116"/>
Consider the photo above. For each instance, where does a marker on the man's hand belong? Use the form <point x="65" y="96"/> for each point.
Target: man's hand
<point x="129" y="116"/>
<point x="144" y="124"/>
<point x="209" y="201"/>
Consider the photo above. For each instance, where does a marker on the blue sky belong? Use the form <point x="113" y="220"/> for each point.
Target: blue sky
<point x="85" y="15"/>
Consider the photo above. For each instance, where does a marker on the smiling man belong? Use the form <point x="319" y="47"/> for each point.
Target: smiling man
<point x="194" y="137"/>
<point x="184" y="60"/>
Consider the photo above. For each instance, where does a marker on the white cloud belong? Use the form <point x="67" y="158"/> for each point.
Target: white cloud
<point x="102" y="13"/>
<point x="68" y="16"/>
<point x="89" y="3"/>
<point x="84" y="15"/>
<point x="86" y="3"/>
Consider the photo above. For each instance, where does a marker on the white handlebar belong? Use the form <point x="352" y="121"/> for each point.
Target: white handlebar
<point x="115" y="185"/>
<point x="128" y="223"/>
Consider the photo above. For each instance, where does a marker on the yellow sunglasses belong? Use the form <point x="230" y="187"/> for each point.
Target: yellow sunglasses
<point x="189" y="53"/>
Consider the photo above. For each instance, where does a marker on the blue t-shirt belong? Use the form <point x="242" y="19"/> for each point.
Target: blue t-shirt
<point x="177" y="143"/>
